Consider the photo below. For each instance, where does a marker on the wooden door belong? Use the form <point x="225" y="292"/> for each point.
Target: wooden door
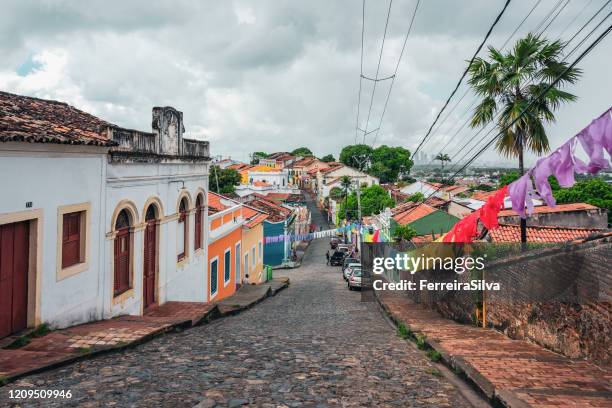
<point x="14" y="260"/>
<point x="150" y="263"/>
<point x="122" y="261"/>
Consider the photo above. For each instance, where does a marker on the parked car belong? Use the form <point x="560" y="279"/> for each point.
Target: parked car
<point x="347" y="261"/>
<point x="354" y="281"/>
<point x="337" y="258"/>
<point x="349" y="269"/>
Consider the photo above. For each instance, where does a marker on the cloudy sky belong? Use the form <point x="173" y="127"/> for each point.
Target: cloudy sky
<point x="277" y="74"/>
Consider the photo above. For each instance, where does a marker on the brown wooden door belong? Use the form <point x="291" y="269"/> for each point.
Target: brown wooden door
<point x="14" y="259"/>
<point x="150" y="263"/>
<point x="122" y="261"/>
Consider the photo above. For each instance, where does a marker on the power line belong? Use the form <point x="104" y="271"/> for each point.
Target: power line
<point x="509" y="125"/>
<point x="382" y="47"/>
<point x="464" y="74"/>
<point x="566" y="57"/>
<point x="396" y="69"/>
<point x="360" y="68"/>
<point x="565" y="45"/>
<point x="554" y="18"/>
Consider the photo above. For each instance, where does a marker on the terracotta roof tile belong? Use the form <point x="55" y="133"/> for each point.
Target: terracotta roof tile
<point x="27" y="119"/>
<point x="413" y="214"/>
<point x="558" y="208"/>
<point x="253" y="216"/>
<point x="512" y="233"/>
<point x="216" y="204"/>
<point x="275" y="212"/>
<point x="482" y="195"/>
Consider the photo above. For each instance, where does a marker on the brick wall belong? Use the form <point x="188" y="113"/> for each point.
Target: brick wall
<point x="559" y="297"/>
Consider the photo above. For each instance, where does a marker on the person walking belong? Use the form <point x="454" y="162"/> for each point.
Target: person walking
<point x="327" y="256"/>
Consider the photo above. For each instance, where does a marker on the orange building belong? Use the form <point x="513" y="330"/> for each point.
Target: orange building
<point x="224" y="246"/>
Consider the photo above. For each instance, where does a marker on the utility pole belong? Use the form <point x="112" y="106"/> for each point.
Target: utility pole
<point x="358" y="202"/>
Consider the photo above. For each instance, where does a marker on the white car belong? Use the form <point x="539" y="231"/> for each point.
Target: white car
<point x="354" y="280"/>
<point x="349" y="269"/>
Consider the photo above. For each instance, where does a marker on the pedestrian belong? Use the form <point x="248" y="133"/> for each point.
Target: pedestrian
<point x="327" y="256"/>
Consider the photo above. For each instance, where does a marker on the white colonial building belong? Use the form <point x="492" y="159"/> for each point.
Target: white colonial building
<point x="96" y="220"/>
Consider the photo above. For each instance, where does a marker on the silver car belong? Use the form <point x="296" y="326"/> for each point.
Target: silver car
<point x="349" y="269"/>
<point x="354" y="280"/>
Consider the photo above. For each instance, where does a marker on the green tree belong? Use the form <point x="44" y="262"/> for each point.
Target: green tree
<point x="374" y="199"/>
<point x="227" y="179"/>
<point x="404" y="233"/>
<point x="482" y="187"/>
<point x="328" y="158"/>
<point x="302" y="151"/>
<point x="258" y="155"/>
<point x="417" y="198"/>
<point x="357" y="156"/>
<point x="336" y="194"/>
<point x="594" y="191"/>
<point x="515" y="85"/>
<point x="442" y="158"/>
<point x="389" y="163"/>
<point x="508" y="178"/>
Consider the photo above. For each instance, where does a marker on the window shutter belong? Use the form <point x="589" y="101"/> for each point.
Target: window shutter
<point x="71" y="239"/>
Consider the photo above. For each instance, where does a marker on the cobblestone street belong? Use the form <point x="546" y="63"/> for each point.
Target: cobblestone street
<point x="314" y="344"/>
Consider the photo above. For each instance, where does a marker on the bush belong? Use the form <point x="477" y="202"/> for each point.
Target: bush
<point x="420" y="341"/>
<point x="434" y="355"/>
<point x="403" y="331"/>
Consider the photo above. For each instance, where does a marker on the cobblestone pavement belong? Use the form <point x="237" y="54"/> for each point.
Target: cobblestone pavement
<point x="313" y="344"/>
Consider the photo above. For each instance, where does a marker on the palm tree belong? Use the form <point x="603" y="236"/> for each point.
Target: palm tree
<point x="345" y="183"/>
<point x="515" y="84"/>
<point x="442" y="158"/>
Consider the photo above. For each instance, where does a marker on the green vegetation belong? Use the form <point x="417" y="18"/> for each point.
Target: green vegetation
<point x="508" y="178"/>
<point x="328" y="158"/>
<point x="258" y="155"/>
<point x="3" y="380"/>
<point x="594" y="191"/>
<point x="434" y="355"/>
<point x="516" y="84"/>
<point x="302" y="151"/>
<point x="420" y="341"/>
<point x="435" y="372"/>
<point x="40" y="331"/>
<point x="84" y="350"/>
<point x="387" y="163"/>
<point x="336" y="194"/>
<point x="404" y="233"/>
<point x="482" y="187"/>
<point x="403" y="331"/>
<point x="417" y="198"/>
<point x="21" y="341"/>
<point x="374" y="199"/>
<point x="227" y="179"/>
<point x="442" y="158"/>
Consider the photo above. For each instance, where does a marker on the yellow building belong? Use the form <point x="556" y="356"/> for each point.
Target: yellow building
<point x="244" y="173"/>
<point x="253" y="245"/>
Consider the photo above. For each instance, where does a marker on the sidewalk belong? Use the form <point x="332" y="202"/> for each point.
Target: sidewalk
<point x="76" y="343"/>
<point x="511" y="373"/>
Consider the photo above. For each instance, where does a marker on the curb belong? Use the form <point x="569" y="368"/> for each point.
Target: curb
<point x="213" y="314"/>
<point x="501" y="398"/>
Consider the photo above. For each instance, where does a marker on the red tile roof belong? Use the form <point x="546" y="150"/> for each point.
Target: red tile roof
<point x="260" y="183"/>
<point x="512" y="233"/>
<point x="558" y="208"/>
<point x="412" y="214"/>
<point x="482" y="195"/>
<point x="253" y="216"/>
<point x="275" y="212"/>
<point x="27" y="119"/>
<point x="277" y="196"/>
<point x="332" y="166"/>
<point x="239" y="166"/>
<point x="436" y="202"/>
<point x="215" y="203"/>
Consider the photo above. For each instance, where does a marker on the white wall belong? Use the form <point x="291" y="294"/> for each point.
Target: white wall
<point x="166" y="181"/>
<point x="278" y="178"/>
<point x="50" y="176"/>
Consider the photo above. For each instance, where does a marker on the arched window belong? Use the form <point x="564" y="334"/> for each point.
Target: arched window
<point x="182" y="230"/>
<point x="199" y="222"/>
<point x="122" y="253"/>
